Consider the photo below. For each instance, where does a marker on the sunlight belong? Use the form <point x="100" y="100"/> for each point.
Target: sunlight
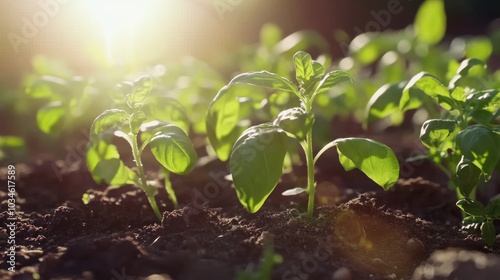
<point x="121" y="20"/>
<point x="117" y="14"/>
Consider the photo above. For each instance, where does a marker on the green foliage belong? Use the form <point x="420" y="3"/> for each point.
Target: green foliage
<point x="463" y="142"/>
<point x="480" y="218"/>
<point x="369" y="156"/>
<point x="68" y="101"/>
<point x="295" y="121"/>
<point x="11" y="146"/>
<point x="172" y="148"/>
<point x="169" y="143"/>
<point x="264" y="272"/>
<point x="430" y="22"/>
<point x="256" y="163"/>
<point x="257" y="156"/>
<point x="480" y="145"/>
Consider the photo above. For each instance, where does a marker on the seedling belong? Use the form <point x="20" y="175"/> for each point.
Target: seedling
<point x="264" y="271"/>
<point x="256" y="158"/>
<point x="464" y="142"/>
<point x="146" y="116"/>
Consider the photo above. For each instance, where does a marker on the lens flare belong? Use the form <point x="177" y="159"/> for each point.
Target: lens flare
<point x="373" y="242"/>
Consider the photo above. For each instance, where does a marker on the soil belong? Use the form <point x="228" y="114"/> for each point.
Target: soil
<point x="358" y="231"/>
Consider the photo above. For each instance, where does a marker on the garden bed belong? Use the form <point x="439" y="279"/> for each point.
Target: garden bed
<point x="359" y="232"/>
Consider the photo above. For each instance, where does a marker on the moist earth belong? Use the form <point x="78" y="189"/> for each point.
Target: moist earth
<point x="358" y="230"/>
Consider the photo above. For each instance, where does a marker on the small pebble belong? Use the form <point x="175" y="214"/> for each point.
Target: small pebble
<point x="342" y="273"/>
<point x="415" y="247"/>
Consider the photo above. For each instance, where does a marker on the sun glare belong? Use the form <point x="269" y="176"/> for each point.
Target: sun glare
<point x="120" y="21"/>
<point x="117" y="14"/>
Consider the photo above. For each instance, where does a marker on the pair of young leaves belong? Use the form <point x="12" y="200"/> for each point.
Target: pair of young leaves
<point x="257" y="153"/>
<point x="169" y="143"/>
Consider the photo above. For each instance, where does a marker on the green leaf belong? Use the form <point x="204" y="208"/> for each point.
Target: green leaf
<point x="114" y="172"/>
<point x="166" y="109"/>
<point x="103" y="162"/>
<point x="346" y="162"/>
<point x="479" y="47"/>
<point x="256" y="164"/>
<point x="373" y="158"/>
<point x="472" y="67"/>
<point x="430" y="22"/>
<point x="466" y="176"/>
<point x="480" y="145"/>
<point x="50" y="118"/>
<point x="471" y="207"/>
<point x="141" y="89"/>
<point x="383" y="103"/>
<point x="304" y="70"/>
<point x="136" y="120"/>
<point x="108" y="119"/>
<point x="331" y="79"/>
<point x="295" y="121"/>
<point x="98" y="151"/>
<point x="484" y="106"/>
<point x="319" y="69"/>
<point x="222" y="123"/>
<point x="493" y="209"/>
<point x="472" y="223"/>
<point x="431" y="86"/>
<point x="482" y="99"/>
<point x="412" y="98"/>
<point x="12" y="142"/>
<point x="270" y="35"/>
<point x="434" y="132"/>
<point x="468" y="64"/>
<point x="265" y="79"/>
<point x="172" y="147"/>
<point x="488" y="232"/>
<point x="459" y="95"/>
<point x="48" y="87"/>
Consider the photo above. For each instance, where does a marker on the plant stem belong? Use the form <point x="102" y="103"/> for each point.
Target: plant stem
<point x="149" y="190"/>
<point x="310" y="173"/>
<point x="168" y="187"/>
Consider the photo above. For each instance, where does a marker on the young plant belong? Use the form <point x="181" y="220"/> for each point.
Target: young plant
<point x="256" y="157"/>
<point x="464" y="142"/>
<point x="264" y="271"/>
<point x="146" y="117"/>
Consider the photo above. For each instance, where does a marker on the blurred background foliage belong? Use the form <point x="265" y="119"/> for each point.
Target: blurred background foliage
<point x="61" y="59"/>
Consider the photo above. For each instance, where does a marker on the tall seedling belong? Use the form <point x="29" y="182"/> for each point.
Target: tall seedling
<point x="256" y="154"/>
<point x="144" y="118"/>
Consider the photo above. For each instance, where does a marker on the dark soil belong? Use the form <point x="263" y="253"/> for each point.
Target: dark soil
<point x="358" y="230"/>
